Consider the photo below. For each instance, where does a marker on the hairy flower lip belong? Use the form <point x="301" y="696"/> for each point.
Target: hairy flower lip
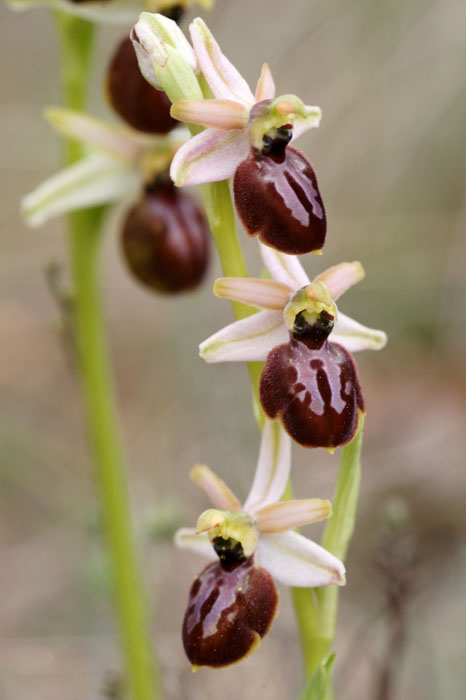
<point x="290" y="557"/>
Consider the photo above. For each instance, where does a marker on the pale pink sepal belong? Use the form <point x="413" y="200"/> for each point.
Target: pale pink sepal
<point x="215" y="488"/>
<point x="273" y="467"/>
<point x="221" y="75"/>
<point x="248" y="340"/>
<point x="96" y="179"/>
<point x="210" y="156"/>
<point x="186" y="538"/>
<point x="340" y="278"/>
<point x="296" y="561"/>
<point x="219" y="114"/>
<point x="115" y="139"/>
<point x="284" y="268"/>
<point x="265" y="88"/>
<point x="354" y="336"/>
<point x="263" y="294"/>
<point x="287" y="515"/>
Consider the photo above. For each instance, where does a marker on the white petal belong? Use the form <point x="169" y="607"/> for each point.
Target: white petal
<point x="265" y="88"/>
<point x="303" y="124"/>
<point x="210" y="156"/>
<point x="284" y="268"/>
<point x="287" y="515"/>
<point x="186" y="538"/>
<point x="219" y="114"/>
<point x="340" y="278"/>
<point x="94" y="180"/>
<point x="115" y="139"/>
<point x="297" y="561"/>
<point x="117" y="12"/>
<point x="354" y="336"/>
<point x="263" y="294"/>
<point x="248" y="340"/>
<point x="221" y="75"/>
<point x="273" y="467"/>
<point x="215" y="488"/>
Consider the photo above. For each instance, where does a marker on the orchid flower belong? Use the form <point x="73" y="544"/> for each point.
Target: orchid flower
<point x="235" y="118"/>
<point x="233" y="601"/>
<point x="281" y="299"/>
<point x="264" y="525"/>
<point x="309" y="380"/>
<point x="120" y="162"/>
<point x="114" y="12"/>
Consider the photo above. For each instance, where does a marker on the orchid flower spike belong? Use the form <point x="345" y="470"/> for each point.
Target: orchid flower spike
<point x="309" y="382"/>
<point x="121" y="161"/>
<point x="246" y="137"/>
<point x="259" y="534"/>
<point x="113" y="12"/>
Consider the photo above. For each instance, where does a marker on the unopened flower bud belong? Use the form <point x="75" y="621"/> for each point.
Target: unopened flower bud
<point x="278" y="199"/>
<point x="231" y="607"/>
<point x="312" y="385"/>
<point x="165" y="240"/>
<point x="136" y="101"/>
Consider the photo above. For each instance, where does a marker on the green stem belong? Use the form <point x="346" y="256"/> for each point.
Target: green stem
<point x="84" y="244"/>
<point x="220" y="214"/>
<point x="317" y="609"/>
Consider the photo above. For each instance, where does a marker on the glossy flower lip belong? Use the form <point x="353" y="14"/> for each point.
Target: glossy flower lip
<point x="264" y="525"/>
<point x="280" y="298"/>
<point x="120" y="161"/>
<point x="235" y="118"/>
<point x="113" y="12"/>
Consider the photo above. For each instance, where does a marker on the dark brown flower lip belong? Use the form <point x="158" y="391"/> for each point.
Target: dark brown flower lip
<point x="165" y="240"/>
<point x="314" y="391"/>
<point x="140" y="105"/>
<point x="229" y="612"/>
<point x="278" y="199"/>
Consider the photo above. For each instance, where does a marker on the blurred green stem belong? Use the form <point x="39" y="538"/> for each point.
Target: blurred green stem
<point x="317" y="609"/>
<point x="84" y="243"/>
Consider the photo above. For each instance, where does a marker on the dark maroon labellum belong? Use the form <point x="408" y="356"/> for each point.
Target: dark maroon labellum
<point x="278" y="199"/>
<point x="132" y="97"/>
<point x="314" y="388"/>
<point x="230" y="608"/>
<point x="165" y="240"/>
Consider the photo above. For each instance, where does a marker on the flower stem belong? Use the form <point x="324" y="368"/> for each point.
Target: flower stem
<point x="84" y="242"/>
<point x="317" y="609"/>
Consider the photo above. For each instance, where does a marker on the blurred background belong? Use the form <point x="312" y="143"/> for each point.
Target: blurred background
<point x="391" y="160"/>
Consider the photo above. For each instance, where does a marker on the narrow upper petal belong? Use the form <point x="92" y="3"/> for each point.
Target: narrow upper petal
<point x="97" y="179"/>
<point x="114" y="139"/>
<point x="297" y="561"/>
<point x="210" y="156"/>
<point x="221" y="75"/>
<point x="248" y="340"/>
<point x="273" y="467"/>
<point x="284" y="268"/>
<point x="340" y="278"/>
<point x="186" y="538"/>
<point x="287" y="515"/>
<point x="354" y="336"/>
<point x="215" y="488"/>
<point x="219" y="114"/>
<point x="265" y="88"/>
<point x="263" y="294"/>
